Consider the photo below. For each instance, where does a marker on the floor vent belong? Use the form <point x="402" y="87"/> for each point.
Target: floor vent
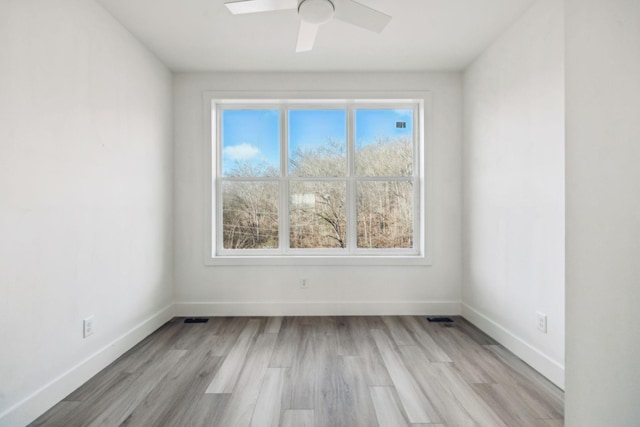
<point x="196" y="320"/>
<point x="440" y="319"/>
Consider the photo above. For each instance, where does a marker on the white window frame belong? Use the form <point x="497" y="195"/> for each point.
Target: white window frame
<point x="214" y="254"/>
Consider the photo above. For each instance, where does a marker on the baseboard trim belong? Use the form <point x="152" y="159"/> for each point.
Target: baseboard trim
<point x="542" y="363"/>
<point x="325" y="308"/>
<point x="34" y="405"/>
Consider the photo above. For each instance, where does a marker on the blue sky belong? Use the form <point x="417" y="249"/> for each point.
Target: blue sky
<point x="371" y="124"/>
<point x="312" y="128"/>
<point x="250" y="135"/>
<point x="254" y="135"/>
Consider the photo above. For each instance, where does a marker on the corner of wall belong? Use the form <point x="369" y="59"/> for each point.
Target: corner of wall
<point x="513" y="195"/>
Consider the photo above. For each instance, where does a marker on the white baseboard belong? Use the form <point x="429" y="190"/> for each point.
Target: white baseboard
<point x="34" y="405"/>
<point x="326" y="308"/>
<point x="542" y="363"/>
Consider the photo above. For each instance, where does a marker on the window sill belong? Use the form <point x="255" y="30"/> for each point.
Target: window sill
<point x="379" y="260"/>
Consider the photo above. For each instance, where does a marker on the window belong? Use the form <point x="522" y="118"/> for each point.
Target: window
<point x="299" y="179"/>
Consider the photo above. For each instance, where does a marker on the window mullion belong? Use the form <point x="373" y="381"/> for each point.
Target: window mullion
<point x="283" y="235"/>
<point x="352" y="229"/>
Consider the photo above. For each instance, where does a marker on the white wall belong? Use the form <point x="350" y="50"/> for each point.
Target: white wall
<point x="603" y="212"/>
<point x="220" y="290"/>
<point x="513" y="185"/>
<point x="85" y="197"/>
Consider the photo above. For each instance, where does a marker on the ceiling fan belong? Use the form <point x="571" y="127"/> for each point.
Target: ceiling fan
<point x="314" y="13"/>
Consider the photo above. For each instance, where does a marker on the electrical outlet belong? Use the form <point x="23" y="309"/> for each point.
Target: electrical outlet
<point x="304" y="284"/>
<point x="542" y="322"/>
<point x="87" y="326"/>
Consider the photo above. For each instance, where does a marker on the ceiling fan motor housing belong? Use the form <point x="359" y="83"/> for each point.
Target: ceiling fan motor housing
<point x="316" y="11"/>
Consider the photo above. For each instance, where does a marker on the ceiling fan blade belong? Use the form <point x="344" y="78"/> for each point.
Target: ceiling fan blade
<point x="255" y="6"/>
<point x="360" y="15"/>
<point x="306" y="36"/>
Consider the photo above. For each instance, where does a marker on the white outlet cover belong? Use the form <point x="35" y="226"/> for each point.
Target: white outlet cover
<point x="542" y="322"/>
<point x="88" y="326"/>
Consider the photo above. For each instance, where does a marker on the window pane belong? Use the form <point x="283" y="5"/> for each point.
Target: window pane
<point x="250" y="215"/>
<point x="384" y="142"/>
<point x="317" y="215"/>
<point x="250" y="143"/>
<point x="317" y="143"/>
<point x="385" y="214"/>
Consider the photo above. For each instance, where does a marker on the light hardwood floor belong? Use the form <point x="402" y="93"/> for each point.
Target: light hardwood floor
<point x="314" y="371"/>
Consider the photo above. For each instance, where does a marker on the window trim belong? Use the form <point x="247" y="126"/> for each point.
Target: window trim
<point x="319" y="99"/>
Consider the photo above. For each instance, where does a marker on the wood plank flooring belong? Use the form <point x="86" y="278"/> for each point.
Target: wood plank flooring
<point x="387" y="371"/>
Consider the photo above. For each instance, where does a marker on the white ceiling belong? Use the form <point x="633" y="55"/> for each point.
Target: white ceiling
<point x="201" y="35"/>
